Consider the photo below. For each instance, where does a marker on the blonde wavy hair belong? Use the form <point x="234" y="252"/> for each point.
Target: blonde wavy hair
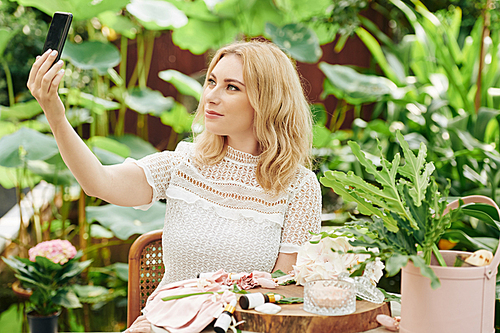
<point x="282" y="119"/>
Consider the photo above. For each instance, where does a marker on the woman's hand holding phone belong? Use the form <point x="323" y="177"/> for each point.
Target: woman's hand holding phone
<point x="43" y="82"/>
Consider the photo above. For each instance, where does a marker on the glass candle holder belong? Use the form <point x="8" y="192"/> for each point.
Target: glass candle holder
<point x="329" y="297"/>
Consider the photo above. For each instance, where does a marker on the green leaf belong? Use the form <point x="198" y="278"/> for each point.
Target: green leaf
<point x="106" y="157"/>
<point x="394" y="263"/>
<point x="81" y="9"/>
<point x="473" y="243"/>
<point x="119" y="23"/>
<point x="148" y="101"/>
<point x="375" y="49"/>
<point x="52" y="173"/>
<point x="338" y="181"/>
<point x="426" y="271"/>
<point x="297" y="39"/>
<point x="110" y="145"/>
<point x="183" y="83"/>
<point x="157" y="15"/>
<point x="356" y="88"/>
<point x="77" y="97"/>
<point x="198" y="35"/>
<point x="178" y="118"/>
<point x="26" y="144"/>
<point x="67" y="298"/>
<point x="73" y="270"/>
<point x="138" y="147"/>
<point x="127" y="221"/>
<point x="252" y="22"/>
<point x="413" y="170"/>
<point x="20" y="111"/>
<point x="277" y="274"/>
<point x="290" y="300"/>
<point x="98" y="231"/>
<point x="5" y="37"/>
<point x="92" y="55"/>
<point x="484" y="116"/>
<point x="11" y="177"/>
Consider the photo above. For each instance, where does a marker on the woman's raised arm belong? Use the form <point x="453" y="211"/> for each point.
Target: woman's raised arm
<point x="123" y="184"/>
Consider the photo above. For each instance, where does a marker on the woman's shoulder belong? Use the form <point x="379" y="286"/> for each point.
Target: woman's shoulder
<point x="185" y="147"/>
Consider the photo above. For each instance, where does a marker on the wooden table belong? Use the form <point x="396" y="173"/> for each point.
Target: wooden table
<point x="293" y="319"/>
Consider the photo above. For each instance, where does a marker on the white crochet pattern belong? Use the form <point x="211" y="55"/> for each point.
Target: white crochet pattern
<point x="218" y="216"/>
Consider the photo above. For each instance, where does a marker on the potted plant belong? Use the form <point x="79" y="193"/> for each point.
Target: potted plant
<point x="51" y="267"/>
<point x="408" y="217"/>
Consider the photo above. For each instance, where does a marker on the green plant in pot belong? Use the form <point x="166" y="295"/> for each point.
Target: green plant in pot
<point x="49" y="273"/>
<point x="408" y="217"/>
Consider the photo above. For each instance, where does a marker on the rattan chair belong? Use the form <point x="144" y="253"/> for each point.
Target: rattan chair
<point x="145" y="271"/>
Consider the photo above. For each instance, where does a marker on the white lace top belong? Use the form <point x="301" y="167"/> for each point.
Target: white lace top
<point x="218" y="216"/>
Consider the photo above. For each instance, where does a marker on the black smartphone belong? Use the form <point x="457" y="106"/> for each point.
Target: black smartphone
<point x="58" y="31"/>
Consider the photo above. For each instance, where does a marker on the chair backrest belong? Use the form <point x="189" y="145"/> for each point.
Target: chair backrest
<point x="145" y="271"/>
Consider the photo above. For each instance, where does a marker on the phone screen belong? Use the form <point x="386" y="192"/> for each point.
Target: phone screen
<point x="58" y="32"/>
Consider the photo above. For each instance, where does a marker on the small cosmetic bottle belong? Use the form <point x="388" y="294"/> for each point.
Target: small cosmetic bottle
<point x="253" y="300"/>
<point x="224" y="320"/>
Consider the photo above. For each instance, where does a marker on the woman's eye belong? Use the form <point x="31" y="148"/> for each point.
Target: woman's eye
<point x="232" y="88"/>
<point x="211" y="82"/>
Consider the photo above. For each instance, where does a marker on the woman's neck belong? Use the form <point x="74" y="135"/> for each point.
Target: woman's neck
<point x="250" y="146"/>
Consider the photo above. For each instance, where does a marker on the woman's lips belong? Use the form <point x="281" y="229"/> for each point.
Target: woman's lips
<point x="212" y="114"/>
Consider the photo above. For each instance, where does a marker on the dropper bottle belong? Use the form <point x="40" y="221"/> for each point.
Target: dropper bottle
<point x="253" y="300"/>
<point x="224" y="320"/>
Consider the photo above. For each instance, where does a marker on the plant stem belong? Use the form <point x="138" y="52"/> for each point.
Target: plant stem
<point x="485" y="33"/>
<point x="8" y="78"/>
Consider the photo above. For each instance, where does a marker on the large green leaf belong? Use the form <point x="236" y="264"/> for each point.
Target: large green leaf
<point x="157" y="15"/>
<point x="178" y="118"/>
<point x="91" y="102"/>
<point x="186" y="85"/>
<point x="230" y="8"/>
<point x="10" y="178"/>
<point x="5" y="37"/>
<point x="253" y="21"/>
<point x="297" y="39"/>
<point x="126" y="221"/>
<point x="20" y="111"/>
<point x="92" y="55"/>
<point x="52" y="173"/>
<point x="148" y="101"/>
<point x="484" y="116"/>
<point x="67" y="298"/>
<point x="377" y="53"/>
<point x="356" y="88"/>
<point x="198" y="36"/>
<point x="138" y="147"/>
<point x="110" y="145"/>
<point x="26" y="144"/>
<point x="6" y="128"/>
<point x="81" y="9"/>
<point x="119" y="23"/>
<point x="305" y="9"/>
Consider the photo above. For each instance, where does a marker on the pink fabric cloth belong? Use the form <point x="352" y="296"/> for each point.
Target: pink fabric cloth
<point x="189" y="314"/>
<point x="192" y="314"/>
<point x="247" y="281"/>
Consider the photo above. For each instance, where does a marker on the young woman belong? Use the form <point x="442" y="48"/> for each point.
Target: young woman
<point x="240" y="197"/>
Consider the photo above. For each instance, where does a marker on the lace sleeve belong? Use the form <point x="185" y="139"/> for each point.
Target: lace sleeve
<point x="158" y="169"/>
<point x="303" y="214"/>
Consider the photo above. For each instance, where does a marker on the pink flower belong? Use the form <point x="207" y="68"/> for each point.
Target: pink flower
<point x="58" y="251"/>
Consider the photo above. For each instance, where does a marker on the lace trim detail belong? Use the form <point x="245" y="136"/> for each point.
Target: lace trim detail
<point x="233" y="213"/>
<point x="149" y="179"/>
<point x="241" y="157"/>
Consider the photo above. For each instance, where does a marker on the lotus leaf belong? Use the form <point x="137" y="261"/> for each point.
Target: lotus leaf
<point x="26" y="144"/>
<point x="126" y="221"/>
<point x="92" y="55"/>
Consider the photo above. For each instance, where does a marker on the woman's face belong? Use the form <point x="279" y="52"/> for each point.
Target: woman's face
<point x="227" y="109"/>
